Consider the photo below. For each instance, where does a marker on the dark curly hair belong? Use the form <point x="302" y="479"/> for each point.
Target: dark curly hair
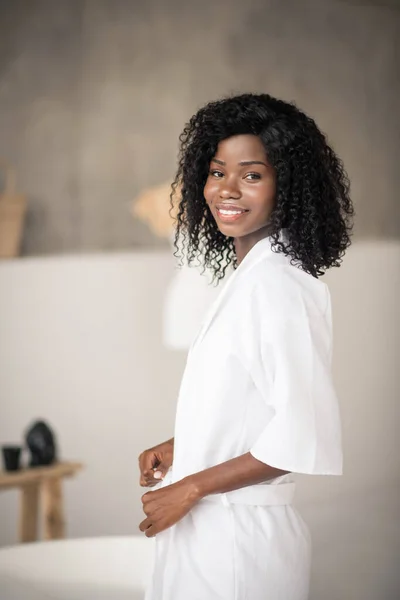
<point x="312" y="198"/>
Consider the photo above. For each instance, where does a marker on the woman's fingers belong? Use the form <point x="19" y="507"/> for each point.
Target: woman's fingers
<point x="149" y="478"/>
<point x="145" y="482"/>
<point x="152" y="468"/>
<point x="148" y="474"/>
<point x="144" y="525"/>
<point x="147" y="528"/>
<point x="160" y="470"/>
<point x="147" y="460"/>
<point x="150" y="531"/>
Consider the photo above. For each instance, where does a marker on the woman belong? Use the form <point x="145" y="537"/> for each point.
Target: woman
<point x="260" y="189"/>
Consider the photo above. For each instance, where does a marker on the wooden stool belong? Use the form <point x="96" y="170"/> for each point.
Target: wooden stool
<point x="40" y="485"/>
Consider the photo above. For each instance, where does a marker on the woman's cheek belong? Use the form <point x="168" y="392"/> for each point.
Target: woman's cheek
<point x="208" y="193"/>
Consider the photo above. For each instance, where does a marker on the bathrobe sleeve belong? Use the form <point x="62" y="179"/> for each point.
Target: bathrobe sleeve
<point x="291" y="368"/>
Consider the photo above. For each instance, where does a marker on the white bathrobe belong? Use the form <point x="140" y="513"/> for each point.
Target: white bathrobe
<point x="257" y="379"/>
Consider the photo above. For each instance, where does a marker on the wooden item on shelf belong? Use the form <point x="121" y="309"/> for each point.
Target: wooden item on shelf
<point x="40" y="493"/>
<point x="12" y="213"/>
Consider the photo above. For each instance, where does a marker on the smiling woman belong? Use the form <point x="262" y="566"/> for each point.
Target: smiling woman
<point x="260" y="188"/>
<point x="311" y="194"/>
<point x="240" y="192"/>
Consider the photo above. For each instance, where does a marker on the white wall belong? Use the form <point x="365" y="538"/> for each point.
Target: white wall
<point x="80" y="345"/>
<point x="355" y="518"/>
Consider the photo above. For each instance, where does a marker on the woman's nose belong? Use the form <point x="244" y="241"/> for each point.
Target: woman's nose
<point x="229" y="190"/>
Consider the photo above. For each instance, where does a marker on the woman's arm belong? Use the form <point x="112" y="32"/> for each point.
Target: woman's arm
<point x="232" y="475"/>
<point x="167" y="506"/>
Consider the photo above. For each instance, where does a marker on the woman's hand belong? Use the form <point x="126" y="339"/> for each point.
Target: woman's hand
<point x="165" y="507"/>
<point x="155" y="462"/>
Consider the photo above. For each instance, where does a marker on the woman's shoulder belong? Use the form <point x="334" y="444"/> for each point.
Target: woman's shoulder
<point x="284" y="289"/>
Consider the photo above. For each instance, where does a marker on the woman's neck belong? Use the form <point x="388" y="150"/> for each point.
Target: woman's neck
<point x="244" y="244"/>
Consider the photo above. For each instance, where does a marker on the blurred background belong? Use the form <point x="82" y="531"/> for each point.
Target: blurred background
<point x="93" y="328"/>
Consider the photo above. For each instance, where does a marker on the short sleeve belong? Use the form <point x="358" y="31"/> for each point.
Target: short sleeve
<point x="292" y="371"/>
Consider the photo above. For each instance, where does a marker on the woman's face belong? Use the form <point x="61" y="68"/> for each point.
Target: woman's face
<point x="240" y="188"/>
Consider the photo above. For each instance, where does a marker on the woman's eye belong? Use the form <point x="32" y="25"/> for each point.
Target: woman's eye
<point x="217" y="174"/>
<point x="253" y="176"/>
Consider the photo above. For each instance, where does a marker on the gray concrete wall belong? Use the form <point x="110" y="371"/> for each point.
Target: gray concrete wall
<point x="93" y="94"/>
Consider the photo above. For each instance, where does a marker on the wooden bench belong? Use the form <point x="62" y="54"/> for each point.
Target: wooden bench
<point x="40" y="492"/>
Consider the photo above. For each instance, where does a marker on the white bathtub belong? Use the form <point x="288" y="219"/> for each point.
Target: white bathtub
<point x="106" y="568"/>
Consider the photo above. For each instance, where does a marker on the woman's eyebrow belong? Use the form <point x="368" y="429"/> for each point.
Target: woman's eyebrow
<point x="246" y="163"/>
<point x="243" y="163"/>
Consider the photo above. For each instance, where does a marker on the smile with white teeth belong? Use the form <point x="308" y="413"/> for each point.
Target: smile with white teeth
<point x="230" y="214"/>
<point x="224" y="211"/>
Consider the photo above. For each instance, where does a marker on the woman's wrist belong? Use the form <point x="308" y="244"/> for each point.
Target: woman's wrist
<point x="195" y="488"/>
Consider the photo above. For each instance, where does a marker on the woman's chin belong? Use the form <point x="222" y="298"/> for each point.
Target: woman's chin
<point x="230" y="230"/>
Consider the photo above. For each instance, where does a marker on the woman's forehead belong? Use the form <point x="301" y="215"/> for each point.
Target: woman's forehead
<point x="240" y="148"/>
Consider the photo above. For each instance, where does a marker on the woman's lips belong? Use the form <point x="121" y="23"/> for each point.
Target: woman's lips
<point x="228" y="214"/>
